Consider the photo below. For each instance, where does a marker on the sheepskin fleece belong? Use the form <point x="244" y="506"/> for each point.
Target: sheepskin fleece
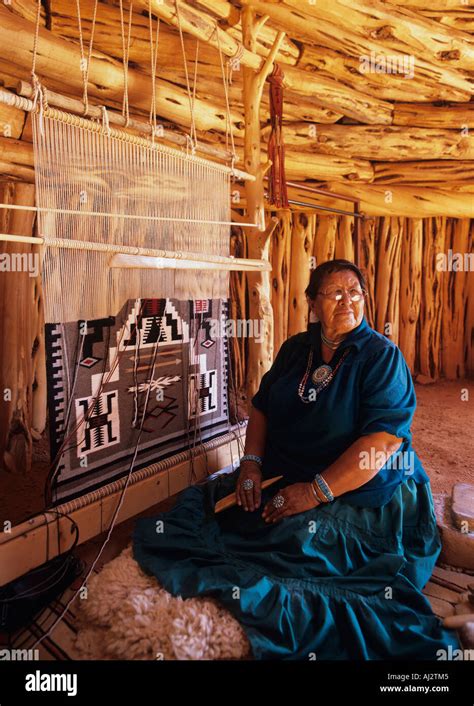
<point x="128" y="615"/>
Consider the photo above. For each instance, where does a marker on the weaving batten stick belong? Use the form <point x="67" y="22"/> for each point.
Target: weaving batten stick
<point x="231" y="499"/>
<point x="28" y="105"/>
<point x="148" y="262"/>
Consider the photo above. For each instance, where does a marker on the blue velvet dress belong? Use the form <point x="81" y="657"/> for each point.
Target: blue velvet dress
<point x="340" y="581"/>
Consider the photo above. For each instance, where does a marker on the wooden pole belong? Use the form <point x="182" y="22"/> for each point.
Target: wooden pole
<point x="410" y="289"/>
<point x="431" y="310"/>
<point x="280" y="256"/>
<point x="388" y="277"/>
<point x="21" y="340"/>
<point x="453" y="297"/>
<point x="302" y="238"/>
<point x="260" y="354"/>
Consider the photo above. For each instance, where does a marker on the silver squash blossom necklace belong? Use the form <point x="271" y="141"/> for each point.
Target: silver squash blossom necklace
<point x="323" y="374"/>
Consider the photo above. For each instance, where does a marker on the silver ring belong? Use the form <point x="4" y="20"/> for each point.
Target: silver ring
<point x="248" y="484"/>
<point x="278" y="501"/>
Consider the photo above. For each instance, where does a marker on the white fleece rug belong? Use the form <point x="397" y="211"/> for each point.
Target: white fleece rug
<point x="128" y="615"/>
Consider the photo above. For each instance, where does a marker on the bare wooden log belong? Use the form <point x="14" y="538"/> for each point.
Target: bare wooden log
<point x="457" y="175"/>
<point x="368" y="230"/>
<point x="405" y="200"/>
<point x="132" y="125"/>
<point x="378" y="142"/>
<point x="402" y="31"/>
<point x="453" y="297"/>
<point x="16" y="152"/>
<point x="12" y="121"/>
<point x="302" y="238"/>
<point x="344" y="238"/>
<point x="58" y="63"/>
<point x="469" y="314"/>
<point x="62" y="19"/>
<point x="18" y="332"/>
<point x="325" y="238"/>
<point x="326" y="92"/>
<point x="28" y="10"/>
<point x="460" y="19"/>
<point x="388" y="277"/>
<point x="15" y="172"/>
<point x="431" y="310"/>
<point x="304" y="165"/>
<point x="324" y="242"/>
<point x="391" y="200"/>
<point x="410" y="289"/>
<point x="311" y="23"/>
<point x="296" y="107"/>
<point x="451" y="116"/>
<point x="350" y="70"/>
<point x="280" y="259"/>
<point x="336" y="96"/>
<point x="421" y="5"/>
<point x="260" y="353"/>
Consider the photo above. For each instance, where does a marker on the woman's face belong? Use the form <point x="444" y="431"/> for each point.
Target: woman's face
<point x="338" y="316"/>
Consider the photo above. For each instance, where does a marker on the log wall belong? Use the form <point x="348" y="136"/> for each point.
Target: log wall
<point x="428" y="313"/>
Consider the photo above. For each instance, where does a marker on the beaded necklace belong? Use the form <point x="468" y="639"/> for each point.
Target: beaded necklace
<point x="324" y="375"/>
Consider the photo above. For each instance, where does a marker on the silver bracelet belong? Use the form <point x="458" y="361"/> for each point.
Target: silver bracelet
<point x="324" y="487"/>
<point x="252" y="457"/>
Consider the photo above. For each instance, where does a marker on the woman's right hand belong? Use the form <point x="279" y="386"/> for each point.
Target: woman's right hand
<point x="249" y="499"/>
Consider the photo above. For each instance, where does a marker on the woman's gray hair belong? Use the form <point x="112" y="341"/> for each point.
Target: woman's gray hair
<point x="328" y="268"/>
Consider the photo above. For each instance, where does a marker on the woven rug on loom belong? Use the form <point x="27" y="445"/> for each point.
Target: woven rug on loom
<point x="105" y="376"/>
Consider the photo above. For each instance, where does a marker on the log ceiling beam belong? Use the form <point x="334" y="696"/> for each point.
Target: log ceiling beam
<point x="454" y="116"/>
<point x="58" y="63"/>
<point x="107" y="34"/>
<point x="439" y="174"/>
<point x="400" y="29"/>
<point x="349" y="70"/>
<point x="378" y="142"/>
<point x="428" y="5"/>
<point x="341" y="35"/>
<point x="326" y="92"/>
<point x="409" y="201"/>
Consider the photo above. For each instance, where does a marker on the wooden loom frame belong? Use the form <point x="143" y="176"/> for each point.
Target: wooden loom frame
<point x="47" y="535"/>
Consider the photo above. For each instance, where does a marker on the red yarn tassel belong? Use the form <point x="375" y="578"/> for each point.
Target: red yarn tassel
<point x="277" y="192"/>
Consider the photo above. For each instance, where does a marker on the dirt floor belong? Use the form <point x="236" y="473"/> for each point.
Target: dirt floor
<point x="443" y="432"/>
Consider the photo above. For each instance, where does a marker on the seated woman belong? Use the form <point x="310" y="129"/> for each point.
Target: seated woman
<point x="329" y="562"/>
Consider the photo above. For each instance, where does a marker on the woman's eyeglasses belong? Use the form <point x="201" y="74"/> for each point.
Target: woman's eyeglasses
<point x="336" y="295"/>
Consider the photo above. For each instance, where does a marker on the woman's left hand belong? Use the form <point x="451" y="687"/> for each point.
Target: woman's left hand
<point x="298" y="497"/>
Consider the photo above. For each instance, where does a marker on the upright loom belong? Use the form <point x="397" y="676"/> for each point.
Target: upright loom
<point x="137" y="359"/>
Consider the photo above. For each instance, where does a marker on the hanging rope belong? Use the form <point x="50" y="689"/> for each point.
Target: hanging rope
<point x="35" y="41"/>
<point x="125" y="56"/>
<point x="39" y="93"/>
<point x="277" y="191"/>
<point x="225" y="81"/>
<point x="193" y="134"/>
<point x="85" y="64"/>
<point x="153" y="61"/>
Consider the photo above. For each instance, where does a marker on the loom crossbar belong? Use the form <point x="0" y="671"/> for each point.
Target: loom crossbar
<point x="131" y="257"/>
